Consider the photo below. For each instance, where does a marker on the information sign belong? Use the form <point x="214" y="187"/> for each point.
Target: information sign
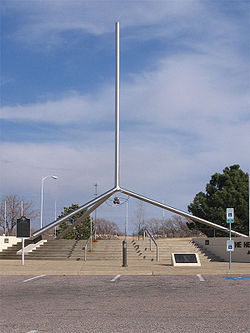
<point x="230" y="245"/>
<point x="230" y="215"/>
<point x="23" y="227"/>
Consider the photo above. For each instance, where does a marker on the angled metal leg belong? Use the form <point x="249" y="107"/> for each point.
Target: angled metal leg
<point x="86" y="214"/>
<point x="179" y="212"/>
<point x="78" y="210"/>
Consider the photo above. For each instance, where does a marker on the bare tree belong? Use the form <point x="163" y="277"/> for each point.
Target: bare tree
<point x="176" y="226"/>
<point x="106" y="228"/>
<point x="13" y="211"/>
<point x="154" y="226"/>
<point x="139" y="216"/>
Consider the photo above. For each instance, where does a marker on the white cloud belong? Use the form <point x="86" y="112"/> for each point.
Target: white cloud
<point x="71" y="109"/>
<point x="83" y="12"/>
<point x="46" y="21"/>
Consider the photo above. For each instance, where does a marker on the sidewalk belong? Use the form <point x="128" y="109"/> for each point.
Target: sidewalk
<point x="108" y="267"/>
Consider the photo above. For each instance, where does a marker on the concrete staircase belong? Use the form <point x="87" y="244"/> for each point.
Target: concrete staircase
<point x="168" y="246"/>
<point x="112" y="250"/>
<point x="11" y="252"/>
<point x="59" y="249"/>
<point x="137" y="250"/>
<point x="106" y="250"/>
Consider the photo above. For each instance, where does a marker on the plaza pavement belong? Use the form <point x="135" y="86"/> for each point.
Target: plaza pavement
<point x="111" y="267"/>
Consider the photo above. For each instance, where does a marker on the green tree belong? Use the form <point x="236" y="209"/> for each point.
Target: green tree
<point x="81" y="231"/>
<point x="229" y="189"/>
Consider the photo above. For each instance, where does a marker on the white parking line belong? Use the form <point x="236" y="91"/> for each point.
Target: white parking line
<point x="115" y="278"/>
<point x="35" y="277"/>
<point x="34" y="331"/>
<point x="201" y="278"/>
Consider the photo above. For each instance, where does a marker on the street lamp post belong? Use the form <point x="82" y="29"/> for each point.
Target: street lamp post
<point x="55" y="218"/>
<point x="5" y="217"/>
<point x="42" y="190"/>
<point x="126" y="221"/>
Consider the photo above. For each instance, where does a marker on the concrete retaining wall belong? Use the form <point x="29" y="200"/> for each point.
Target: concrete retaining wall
<point x="218" y="247"/>
<point x="31" y="247"/>
<point x="6" y="241"/>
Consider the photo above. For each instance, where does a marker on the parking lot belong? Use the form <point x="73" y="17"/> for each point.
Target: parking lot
<point x="70" y="304"/>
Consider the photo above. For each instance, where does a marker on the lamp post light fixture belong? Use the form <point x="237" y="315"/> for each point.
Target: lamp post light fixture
<point x="42" y="190"/>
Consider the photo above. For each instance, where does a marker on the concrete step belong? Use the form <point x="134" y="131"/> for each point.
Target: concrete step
<point x="57" y="249"/>
<point x="10" y="252"/>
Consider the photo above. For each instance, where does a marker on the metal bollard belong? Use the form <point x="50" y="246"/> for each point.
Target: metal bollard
<point x="124" y="254"/>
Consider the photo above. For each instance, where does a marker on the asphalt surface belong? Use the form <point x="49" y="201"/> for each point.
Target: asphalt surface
<point x="70" y="304"/>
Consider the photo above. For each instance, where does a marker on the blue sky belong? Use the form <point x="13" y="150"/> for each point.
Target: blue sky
<point x="184" y="98"/>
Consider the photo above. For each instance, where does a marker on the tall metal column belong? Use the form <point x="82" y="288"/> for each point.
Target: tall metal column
<point x="117" y="108"/>
<point x="126" y="222"/>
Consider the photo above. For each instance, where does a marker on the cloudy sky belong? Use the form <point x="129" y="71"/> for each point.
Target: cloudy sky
<point x="184" y="98"/>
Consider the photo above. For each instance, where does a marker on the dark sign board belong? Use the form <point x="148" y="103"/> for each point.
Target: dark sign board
<point x="185" y="258"/>
<point x="23" y="227"/>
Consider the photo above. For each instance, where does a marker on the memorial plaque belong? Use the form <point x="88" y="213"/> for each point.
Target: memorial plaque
<point x="185" y="259"/>
<point x="23" y="227"/>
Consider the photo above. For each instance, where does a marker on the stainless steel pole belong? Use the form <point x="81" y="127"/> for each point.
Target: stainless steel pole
<point x="22" y="208"/>
<point x="178" y="211"/>
<point x="126" y="224"/>
<point x="55" y="219"/>
<point x="117" y="107"/>
<point x="22" y="251"/>
<point x="41" y="212"/>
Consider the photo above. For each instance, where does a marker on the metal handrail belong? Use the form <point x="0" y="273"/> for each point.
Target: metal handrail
<point x="86" y="245"/>
<point x="154" y="241"/>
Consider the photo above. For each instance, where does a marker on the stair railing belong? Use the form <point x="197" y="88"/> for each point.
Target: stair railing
<point x="86" y="245"/>
<point x="154" y="241"/>
<point x="72" y="249"/>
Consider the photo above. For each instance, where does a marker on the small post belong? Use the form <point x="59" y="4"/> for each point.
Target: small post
<point x="85" y="253"/>
<point x="124" y="254"/>
<point x="23" y="251"/>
